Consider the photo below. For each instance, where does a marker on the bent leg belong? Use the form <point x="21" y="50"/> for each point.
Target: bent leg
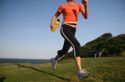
<point x="64" y="51"/>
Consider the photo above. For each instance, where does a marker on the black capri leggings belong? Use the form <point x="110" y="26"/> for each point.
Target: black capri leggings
<point x="68" y="34"/>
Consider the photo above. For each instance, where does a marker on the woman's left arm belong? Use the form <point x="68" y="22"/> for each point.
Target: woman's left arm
<point x="85" y="9"/>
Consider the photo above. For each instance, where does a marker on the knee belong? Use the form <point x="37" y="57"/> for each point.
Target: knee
<point x="77" y="46"/>
<point x="60" y="52"/>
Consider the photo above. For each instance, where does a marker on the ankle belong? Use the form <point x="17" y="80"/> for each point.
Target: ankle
<point x="79" y="69"/>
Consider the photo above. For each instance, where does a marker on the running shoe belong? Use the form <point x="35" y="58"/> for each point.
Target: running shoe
<point x="54" y="63"/>
<point x="82" y="74"/>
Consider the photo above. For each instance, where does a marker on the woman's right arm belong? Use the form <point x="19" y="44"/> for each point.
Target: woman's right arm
<point x="54" y="19"/>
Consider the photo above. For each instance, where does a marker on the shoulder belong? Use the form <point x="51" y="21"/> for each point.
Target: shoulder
<point x="79" y="4"/>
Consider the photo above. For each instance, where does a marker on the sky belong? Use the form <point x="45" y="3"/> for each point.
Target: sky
<point x="25" y="26"/>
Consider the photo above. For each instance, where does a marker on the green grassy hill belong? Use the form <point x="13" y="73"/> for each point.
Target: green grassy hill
<point x="109" y="44"/>
<point x="106" y="69"/>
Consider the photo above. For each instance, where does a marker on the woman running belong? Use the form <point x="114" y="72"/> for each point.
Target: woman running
<point x="70" y="12"/>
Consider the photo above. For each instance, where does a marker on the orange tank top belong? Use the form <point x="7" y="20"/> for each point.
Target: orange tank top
<point x="70" y="12"/>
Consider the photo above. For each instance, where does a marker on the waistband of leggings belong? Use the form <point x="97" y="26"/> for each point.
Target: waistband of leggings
<point x="74" y="27"/>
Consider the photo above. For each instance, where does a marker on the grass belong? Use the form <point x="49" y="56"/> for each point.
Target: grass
<point x="106" y="69"/>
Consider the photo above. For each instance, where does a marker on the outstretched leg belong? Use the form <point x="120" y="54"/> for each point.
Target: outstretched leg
<point x="67" y="33"/>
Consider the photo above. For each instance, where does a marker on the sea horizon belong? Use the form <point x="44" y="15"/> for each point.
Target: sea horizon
<point x="23" y="60"/>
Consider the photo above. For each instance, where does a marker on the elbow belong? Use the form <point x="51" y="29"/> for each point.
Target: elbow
<point x="86" y="17"/>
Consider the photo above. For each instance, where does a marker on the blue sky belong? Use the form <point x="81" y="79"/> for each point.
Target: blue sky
<point x="25" y="31"/>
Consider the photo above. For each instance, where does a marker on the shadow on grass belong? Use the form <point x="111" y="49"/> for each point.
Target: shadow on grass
<point x="35" y="69"/>
<point x="2" y="79"/>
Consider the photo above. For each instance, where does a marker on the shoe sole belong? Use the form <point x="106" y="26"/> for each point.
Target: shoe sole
<point x="85" y="76"/>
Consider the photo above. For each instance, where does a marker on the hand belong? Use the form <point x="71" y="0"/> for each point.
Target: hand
<point x="85" y="2"/>
<point x="51" y="26"/>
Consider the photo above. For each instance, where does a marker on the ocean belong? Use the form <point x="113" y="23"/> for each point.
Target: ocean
<point x="18" y="61"/>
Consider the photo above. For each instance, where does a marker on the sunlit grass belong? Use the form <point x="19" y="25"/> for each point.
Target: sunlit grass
<point x="106" y="69"/>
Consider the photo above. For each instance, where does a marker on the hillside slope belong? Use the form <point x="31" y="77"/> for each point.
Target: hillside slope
<point x="109" y="44"/>
<point x="107" y="69"/>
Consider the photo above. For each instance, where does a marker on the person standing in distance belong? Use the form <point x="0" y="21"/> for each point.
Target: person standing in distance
<point x="70" y="12"/>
